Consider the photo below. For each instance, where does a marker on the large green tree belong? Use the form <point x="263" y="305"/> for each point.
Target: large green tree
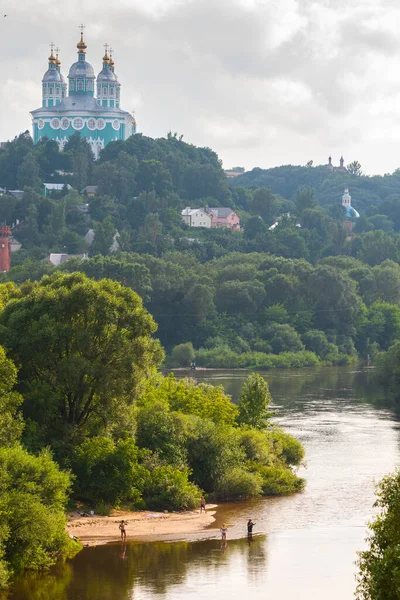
<point x="81" y="345"/>
<point x="254" y="403"/>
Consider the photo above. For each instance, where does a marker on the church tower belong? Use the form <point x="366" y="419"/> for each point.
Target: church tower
<point x="51" y="83"/>
<point x="64" y="83"/>
<point x="107" y="83"/>
<point x="81" y="74"/>
<point x="5" y="249"/>
<point x="346" y="198"/>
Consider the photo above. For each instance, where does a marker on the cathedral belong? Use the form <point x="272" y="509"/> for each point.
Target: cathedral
<point x="82" y="104"/>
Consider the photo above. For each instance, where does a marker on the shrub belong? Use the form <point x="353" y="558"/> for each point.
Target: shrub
<point x="286" y="447"/>
<point x="279" y="481"/>
<point x="32" y="520"/>
<point x="182" y="355"/>
<point x="258" y="446"/>
<point x="169" y="488"/>
<point x="238" y="484"/>
<point x="107" y="472"/>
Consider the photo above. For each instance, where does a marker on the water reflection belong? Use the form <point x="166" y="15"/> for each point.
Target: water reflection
<point x="144" y="570"/>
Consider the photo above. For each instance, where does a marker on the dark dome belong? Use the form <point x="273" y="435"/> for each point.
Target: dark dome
<point x="106" y="75"/>
<point x="81" y="69"/>
<point x="52" y="75"/>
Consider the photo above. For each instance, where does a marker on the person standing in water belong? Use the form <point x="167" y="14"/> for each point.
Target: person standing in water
<point x="250" y="526"/>
<point x="122" y="530"/>
<point x="223" y="531"/>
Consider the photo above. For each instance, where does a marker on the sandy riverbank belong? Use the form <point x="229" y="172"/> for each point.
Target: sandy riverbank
<point x="142" y="526"/>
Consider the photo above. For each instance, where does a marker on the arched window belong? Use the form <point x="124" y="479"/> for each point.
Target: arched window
<point x="50" y="91"/>
<point x="112" y="91"/>
<point x="57" y="91"/>
<point x="80" y="86"/>
<point x="104" y="91"/>
<point x="89" y="85"/>
<point x="72" y="85"/>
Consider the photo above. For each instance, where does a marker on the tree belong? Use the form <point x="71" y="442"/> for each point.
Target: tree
<point x="104" y="237"/>
<point x="264" y="204"/>
<point x="283" y="338"/>
<point x="354" y="168"/>
<point x="82" y="344"/>
<point x="254" y="402"/>
<point x="378" y="576"/>
<point x="305" y="199"/>
<point x="11" y="424"/>
<point x="28" y="172"/>
<point x="32" y="518"/>
<point x="182" y="355"/>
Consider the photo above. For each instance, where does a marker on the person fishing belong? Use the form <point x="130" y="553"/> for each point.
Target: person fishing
<point x="250" y="526"/>
<point x="122" y="530"/>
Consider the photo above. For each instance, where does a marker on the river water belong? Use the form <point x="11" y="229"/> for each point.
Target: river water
<point x="304" y="545"/>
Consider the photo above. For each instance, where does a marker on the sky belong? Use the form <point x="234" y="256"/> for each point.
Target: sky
<point x="261" y="82"/>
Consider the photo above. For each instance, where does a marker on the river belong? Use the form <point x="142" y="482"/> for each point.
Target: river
<point x="304" y="545"/>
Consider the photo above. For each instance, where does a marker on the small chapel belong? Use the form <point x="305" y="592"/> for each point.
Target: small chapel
<point x="82" y="103"/>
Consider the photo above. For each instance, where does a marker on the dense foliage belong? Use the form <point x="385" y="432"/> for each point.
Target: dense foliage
<point x="87" y="393"/>
<point x="33" y="493"/>
<point x="379" y="575"/>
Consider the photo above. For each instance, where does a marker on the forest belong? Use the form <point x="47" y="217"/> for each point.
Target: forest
<point x="301" y="294"/>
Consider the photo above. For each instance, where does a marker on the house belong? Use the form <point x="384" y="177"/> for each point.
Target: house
<point x="224" y="217"/>
<point x="196" y="217"/>
<point x="90" y="191"/>
<point x="89" y="239"/>
<point x="19" y="194"/>
<point x="57" y="259"/>
<point x="234" y="172"/>
<point x="48" y="188"/>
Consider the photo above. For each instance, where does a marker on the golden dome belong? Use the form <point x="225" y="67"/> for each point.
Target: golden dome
<point x="81" y="45"/>
<point x="52" y="58"/>
<point x="111" y="58"/>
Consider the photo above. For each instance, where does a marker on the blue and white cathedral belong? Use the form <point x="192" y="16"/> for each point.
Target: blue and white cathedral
<point x="73" y="106"/>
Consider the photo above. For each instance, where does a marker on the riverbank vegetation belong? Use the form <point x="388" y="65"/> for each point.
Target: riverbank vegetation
<point x="378" y="575"/>
<point x="87" y="417"/>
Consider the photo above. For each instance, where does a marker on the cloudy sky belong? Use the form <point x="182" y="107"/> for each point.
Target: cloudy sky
<point x="262" y="82"/>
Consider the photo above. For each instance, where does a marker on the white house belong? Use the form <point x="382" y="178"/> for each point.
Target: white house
<point x="196" y="217"/>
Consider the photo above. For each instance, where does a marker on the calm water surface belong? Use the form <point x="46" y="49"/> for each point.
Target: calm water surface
<point x="305" y="545"/>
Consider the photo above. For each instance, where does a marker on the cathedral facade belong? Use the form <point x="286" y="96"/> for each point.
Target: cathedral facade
<point x="82" y="104"/>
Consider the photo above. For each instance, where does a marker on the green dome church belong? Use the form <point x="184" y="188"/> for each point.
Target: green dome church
<point x="82" y="104"/>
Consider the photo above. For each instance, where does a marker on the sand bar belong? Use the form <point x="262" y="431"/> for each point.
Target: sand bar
<point x="141" y="526"/>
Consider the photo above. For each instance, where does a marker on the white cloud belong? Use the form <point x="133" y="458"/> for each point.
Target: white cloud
<point x="263" y="82"/>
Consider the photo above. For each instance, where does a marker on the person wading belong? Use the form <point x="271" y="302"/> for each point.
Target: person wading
<point x="122" y="530"/>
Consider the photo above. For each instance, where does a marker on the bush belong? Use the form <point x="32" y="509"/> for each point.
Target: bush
<point x="169" y="488"/>
<point x="279" y="481"/>
<point x="222" y="357"/>
<point x="238" y="484"/>
<point x="258" y="446"/>
<point x="286" y="447"/>
<point x="378" y="576"/>
<point x="182" y="355"/>
<point x="189" y="397"/>
<point x="32" y="520"/>
<point x="108" y="473"/>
